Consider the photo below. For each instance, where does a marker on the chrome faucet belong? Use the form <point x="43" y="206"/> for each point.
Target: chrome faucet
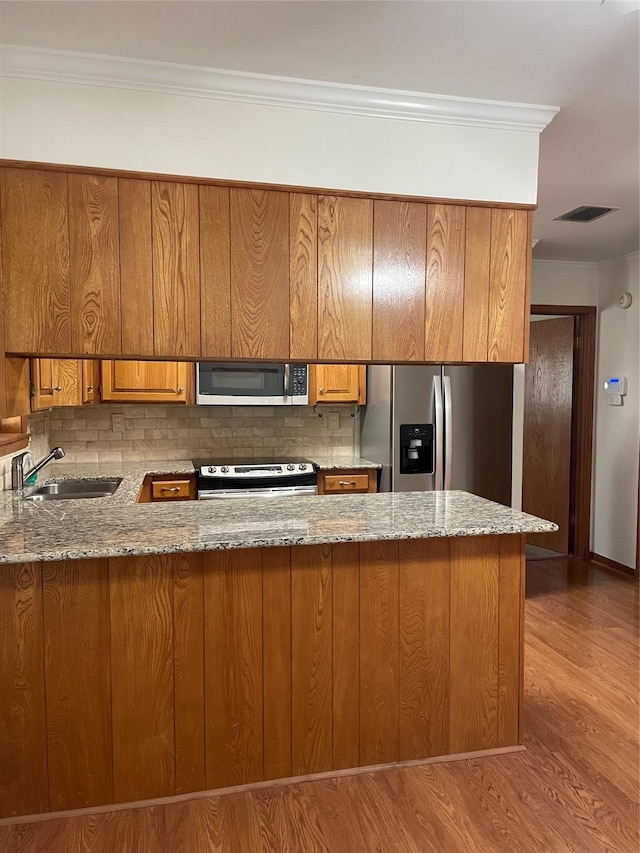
<point x="18" y="475"/>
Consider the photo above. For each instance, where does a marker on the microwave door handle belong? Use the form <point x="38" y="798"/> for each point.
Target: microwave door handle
<point x="287" y="380"/>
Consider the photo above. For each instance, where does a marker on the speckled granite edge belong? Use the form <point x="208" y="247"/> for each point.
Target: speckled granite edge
<point x="96" y="528"/>
<point x="336" y="463"/>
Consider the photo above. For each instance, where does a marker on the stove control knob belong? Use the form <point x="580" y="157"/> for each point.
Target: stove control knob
<point x="303" y="467"/>
<point x="225" y="469"/>
<point x="213" y="469"/>
<point x="291" y="467"/>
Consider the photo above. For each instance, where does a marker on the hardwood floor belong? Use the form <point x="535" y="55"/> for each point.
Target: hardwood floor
<point x="575" y="789"/>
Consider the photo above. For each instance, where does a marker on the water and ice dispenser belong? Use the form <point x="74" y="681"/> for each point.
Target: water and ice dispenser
<point x="416" y="449"/>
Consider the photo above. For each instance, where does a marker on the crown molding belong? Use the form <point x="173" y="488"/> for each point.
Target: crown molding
<point x="620" y="259"/>
<point x="586" y="265"/>
<point x="578" y="265"/>
<point x="62" y="66"/>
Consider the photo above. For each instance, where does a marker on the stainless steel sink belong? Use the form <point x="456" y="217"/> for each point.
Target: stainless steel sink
<point x="73" y="490"/>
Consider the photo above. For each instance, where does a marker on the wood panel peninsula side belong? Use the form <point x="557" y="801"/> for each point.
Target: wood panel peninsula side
<point x="151" y="650"/>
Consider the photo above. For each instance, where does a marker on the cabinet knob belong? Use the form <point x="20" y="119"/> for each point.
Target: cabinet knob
<point x="89" y="387"/>
<point x="321" y="390"/>
<point x="57" y="388"/>
<point x="180" y="390"/>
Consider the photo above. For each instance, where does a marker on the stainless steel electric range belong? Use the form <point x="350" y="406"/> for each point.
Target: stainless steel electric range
<point x="219" y="479"/>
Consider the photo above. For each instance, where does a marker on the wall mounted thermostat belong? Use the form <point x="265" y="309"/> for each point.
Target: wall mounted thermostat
<point x="615" y="388"/>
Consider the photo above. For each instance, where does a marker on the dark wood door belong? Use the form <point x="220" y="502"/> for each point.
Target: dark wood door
<point x="546" y="490"/>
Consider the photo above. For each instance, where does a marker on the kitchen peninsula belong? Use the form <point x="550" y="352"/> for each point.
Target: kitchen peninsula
<point x="154" y="650"/>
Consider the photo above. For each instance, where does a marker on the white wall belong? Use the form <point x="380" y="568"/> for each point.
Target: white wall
<point x="614" y="511"/>
<point x="145" y="131"/>
<point x="564" y="283"/>
<point x="617" y="431"/>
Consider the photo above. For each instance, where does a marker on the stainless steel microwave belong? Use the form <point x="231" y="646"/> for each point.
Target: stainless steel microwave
<point x="251" y="384"/>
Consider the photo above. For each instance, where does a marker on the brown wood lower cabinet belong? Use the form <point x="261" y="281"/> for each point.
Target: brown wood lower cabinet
<point x="165" y="674"/>
<point x="168" y="487"/>
<point x="348" y="481"/>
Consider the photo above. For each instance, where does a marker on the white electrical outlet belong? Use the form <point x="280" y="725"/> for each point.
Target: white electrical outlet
<point x="117" y="423"/>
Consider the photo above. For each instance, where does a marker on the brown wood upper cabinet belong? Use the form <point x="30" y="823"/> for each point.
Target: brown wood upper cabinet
<point x="146" y="381"/>
<point x="337" y="383"/>
<point x="345" y="285"/>
<point x="35" y="261"/>
<point x="108" y="265"/>
<point x="259" y="274"/>
<point x="94" y="256"/>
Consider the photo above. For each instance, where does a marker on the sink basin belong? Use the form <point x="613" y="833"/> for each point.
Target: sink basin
<point x="74" y="490"/>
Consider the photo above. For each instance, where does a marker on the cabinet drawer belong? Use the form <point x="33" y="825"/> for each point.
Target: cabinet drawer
<point x="171" y="490"/>
<point x="345" y="482"/>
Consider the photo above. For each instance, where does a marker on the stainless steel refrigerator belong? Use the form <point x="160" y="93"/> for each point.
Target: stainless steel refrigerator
<point x="440" y="427"/>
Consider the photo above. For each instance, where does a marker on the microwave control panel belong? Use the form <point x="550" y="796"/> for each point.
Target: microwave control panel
<point x="299" y="374"/>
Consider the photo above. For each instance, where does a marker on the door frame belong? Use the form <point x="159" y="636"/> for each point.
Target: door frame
<point x="582" y="418"/>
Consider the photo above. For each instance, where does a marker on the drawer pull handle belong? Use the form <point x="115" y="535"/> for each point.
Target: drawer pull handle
<point x="172" y="489"/>
<point x="347" y="483"/>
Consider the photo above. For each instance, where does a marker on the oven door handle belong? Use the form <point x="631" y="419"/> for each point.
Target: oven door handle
<point x="290" y="491"/>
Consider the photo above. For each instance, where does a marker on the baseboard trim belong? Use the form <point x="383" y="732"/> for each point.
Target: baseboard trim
<point x="254" y="786"/>
<point x="613" y="564"/>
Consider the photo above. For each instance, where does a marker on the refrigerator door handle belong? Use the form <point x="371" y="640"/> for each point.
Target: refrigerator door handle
<point x="438" y="421"/>
<point x="448" y="431"/>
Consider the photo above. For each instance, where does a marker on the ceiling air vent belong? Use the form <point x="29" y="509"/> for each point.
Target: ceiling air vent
<point x="584" y="213"/>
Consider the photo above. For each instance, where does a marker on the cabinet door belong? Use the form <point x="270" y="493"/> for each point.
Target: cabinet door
<point x="56" y="382"/>
<point x="399" y="256"/>
<point x="259" y="274"/>
<point x="146" y="381"/>
<point x="337" y="383"/>
<point x="303" y="275"/>
<point x="176" y="269"/>
<point x="215" y="273"/>
<point x="90" y="381"/>
<point x="17" y="387"/>
<point x="476" y="284"/>
<point x="94" y="264"/>
<point x="509" y="285"/>
<point x="345" y="279"/>
<point x="35" y="261"/>
<point x="136" y="266"/>
<point x="445" y="282"/>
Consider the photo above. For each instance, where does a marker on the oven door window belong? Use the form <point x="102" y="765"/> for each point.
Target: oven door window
<point x="239" y="380"/>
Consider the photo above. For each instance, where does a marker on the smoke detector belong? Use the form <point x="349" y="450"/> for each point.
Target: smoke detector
<point x="584" y="213"/>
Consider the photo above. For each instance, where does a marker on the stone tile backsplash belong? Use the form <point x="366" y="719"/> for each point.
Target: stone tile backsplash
<point x="186" y="432"/>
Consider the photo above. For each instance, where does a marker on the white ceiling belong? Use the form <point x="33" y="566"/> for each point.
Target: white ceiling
<point x="582" y="55"/>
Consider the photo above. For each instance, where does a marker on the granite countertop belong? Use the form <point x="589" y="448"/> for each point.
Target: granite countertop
<point x="117" y="526"/>
<point x="332" y="463"/>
